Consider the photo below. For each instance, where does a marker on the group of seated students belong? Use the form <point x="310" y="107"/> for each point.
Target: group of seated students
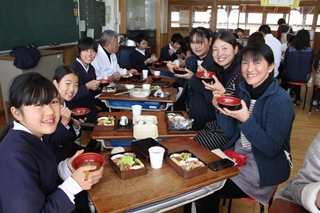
<point x="43" y="132"/>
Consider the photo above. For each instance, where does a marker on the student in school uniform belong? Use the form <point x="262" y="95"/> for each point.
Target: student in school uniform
<point x="28" y="183"/>
<point x="88" y="85"/>
<point x="140" y="58"/>
<point x="169" y="52"/>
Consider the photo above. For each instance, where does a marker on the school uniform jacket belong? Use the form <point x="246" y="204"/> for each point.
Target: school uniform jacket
<point x="164" y="54"/>
<point x="105" y="67"/>
<point x="137" y="60"/>
<point x="29" y="176"/>
<point x="62" y="142"/>
<point x="85" y="97"/>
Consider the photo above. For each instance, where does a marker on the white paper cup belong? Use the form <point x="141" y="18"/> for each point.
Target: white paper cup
<point x="145" y="74"/>
<point x="136" y="110"/>
<point x="156" y="73"/>
<point x="146" y="86"/>
<point x="156" y="156"/>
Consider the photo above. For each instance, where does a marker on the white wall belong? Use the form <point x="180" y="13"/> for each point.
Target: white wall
<point x="112" y="20"/>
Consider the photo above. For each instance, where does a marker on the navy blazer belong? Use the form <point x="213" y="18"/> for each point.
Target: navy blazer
<point x="62" y="142"/>
<point x="85" y="97"/>
<point x="29" y="176"/>
<point x="137" y="60"/>
<point x="164" y="54"/>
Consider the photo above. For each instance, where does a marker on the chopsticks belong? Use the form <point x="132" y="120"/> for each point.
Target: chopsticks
<point x="87" y="172"/>
<point x="120" y="93"/>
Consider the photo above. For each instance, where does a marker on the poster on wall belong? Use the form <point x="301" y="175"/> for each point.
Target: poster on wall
<point x="281" y="3"/>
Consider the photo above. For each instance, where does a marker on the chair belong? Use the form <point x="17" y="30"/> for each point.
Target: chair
<point x="249" y="199"/>
<point x="301" y="84"/>
<point x="124" y="58"/>
<point x="317" y="87"/>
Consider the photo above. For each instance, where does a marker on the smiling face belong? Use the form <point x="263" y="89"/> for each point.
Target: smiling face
<point x="67" y="87"/>
<point x="87" y="56"/>
<point x="223" y="53"/>
<point x="200" y="45"/>
<point x="255" y="72"/>
<point x="39" y="119"/>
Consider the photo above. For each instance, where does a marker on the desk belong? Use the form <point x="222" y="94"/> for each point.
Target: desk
<point x="163" y="68"/>
<point x="162" y="127"/>
<point x="114" y="195"/>
<point x="49" y="61"/>
<point x="148" y="81"/>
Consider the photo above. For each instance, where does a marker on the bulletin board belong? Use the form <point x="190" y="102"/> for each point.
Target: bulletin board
<point x="38" y="22"/>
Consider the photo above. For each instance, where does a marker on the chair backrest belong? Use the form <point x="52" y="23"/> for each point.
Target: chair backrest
<point x="124" y="59"/>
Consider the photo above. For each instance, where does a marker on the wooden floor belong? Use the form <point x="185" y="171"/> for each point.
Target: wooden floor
<point x="305" y="128"/>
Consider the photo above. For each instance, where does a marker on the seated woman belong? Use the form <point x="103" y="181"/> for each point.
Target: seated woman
<point x="305" y="188"/>
<point x="260" y="130"/>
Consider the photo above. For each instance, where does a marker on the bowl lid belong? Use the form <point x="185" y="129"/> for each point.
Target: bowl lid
<point x="104" y="81"/>
<point x="179" y="68"/>
<point x="228" y="101"/>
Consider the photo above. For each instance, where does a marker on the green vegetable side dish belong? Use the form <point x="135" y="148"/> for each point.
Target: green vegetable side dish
<point x="127" y="160"/>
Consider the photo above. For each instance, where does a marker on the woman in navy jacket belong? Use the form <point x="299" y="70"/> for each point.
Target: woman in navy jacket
<point x="260" y="130"/>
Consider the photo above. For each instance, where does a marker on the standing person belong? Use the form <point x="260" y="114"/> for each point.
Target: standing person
<point x="169" y="52"/>
<point x="253" y="131"/>
<point x="140" y="58"/>
<point x="195" y="97"/>
<point x="297" y="63"/>
<point x="274" y="44"/>
<point x="284" y="31"/>
<point x="88" y="85"/>
<point x="225" y="54"/>
<point x="106" y="63"/>
<point x="29" y="165"/>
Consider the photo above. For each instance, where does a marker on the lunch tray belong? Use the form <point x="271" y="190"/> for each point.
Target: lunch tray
<point x="141" y="147"/>
<point x="162" y="83"/>
<point x="127" y="128"/>
<point x="184" y="173"/>
<point x="166" y="95"/>
<point x="105" y="128"/>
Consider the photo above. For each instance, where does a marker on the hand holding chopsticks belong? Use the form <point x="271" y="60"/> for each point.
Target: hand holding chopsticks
<point x="87" y="172"/>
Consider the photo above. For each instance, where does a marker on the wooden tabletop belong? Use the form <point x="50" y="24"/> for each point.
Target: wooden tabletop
<point x="111" y="194"/>
<point x="127" y="97"/>
<point x="163" y="68"/>
<point x="162" y="126"/>
<point x="149" y="80"/>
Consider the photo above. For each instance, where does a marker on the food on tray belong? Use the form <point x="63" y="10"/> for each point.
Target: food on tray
<point x="186" y="161"/>
<point x="109" y="89"/>
<point x="127" y="161"/>
<point x="171" y="116"/>
<point x="139" y="93"/>
<point x="106" y="121"/>
<point x="154" y="87"/>
<point x="126" y="75"/>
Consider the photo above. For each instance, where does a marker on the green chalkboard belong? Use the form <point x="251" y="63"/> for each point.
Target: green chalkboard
<point x="93" y="13"/>
<point x="38" y="22"/>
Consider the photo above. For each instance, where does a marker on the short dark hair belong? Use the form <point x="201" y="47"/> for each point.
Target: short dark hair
<point x="239" y="30"/>
<point x="281" y="21"/>
<point x="301" y="40"/>
<point x="62" y="71"/>
<point x="31" y="88"/>
<point x="86" y="43"/>
<point x="200" y="33"/>
<point x="185" y="45"/>
<point x="256" y="51"/>
<point x="140" y="37"/>
<point x="255" y="37"/>
<point x="176" y="37"/>
<point x="265" y="29"/>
